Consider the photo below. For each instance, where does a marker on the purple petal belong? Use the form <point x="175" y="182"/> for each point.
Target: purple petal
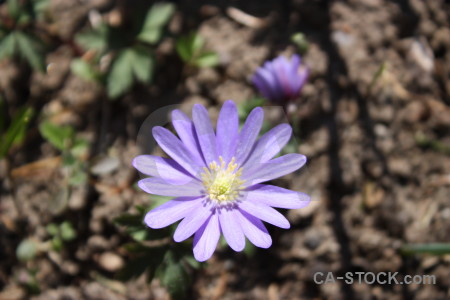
<point x="186" y="131"/>
<point x="206" y="238"/>
<point x="254" y="230"/>
<point x="175" y="149"/>
<point x="262" y="85"/>
<point x="276" y="196"/>
<point x="269" y="145"/>
<point x="265" y="213"/>
<point x="268" y="74"/>
<point x="231" y="228"/>
<point x="205" y="133"/>
<point x="272" y="169"/>
<point x="248" y="134"/>
<point x="164" y="168"/>
<point x="170" y="212"/>
<point x="159" y="186"/>
<point x="227" y="131"/>
<point x="192" y="222"/>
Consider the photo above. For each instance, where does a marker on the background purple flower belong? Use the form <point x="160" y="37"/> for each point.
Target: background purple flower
<point x="216" y="178"/>
<point x="281" y="79"/>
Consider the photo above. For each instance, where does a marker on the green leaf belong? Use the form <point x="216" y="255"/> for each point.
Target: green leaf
<point x="156" y="18"/>
<point x="84" y="70"/>
<point x="142" y="61"/>
<point x="174" y="277"/>
<point x="95" y="39"/>
<point x="52" y="229"/>
<point x="78" y="175"/>
<point x="8" y="46"/>
<point x="131" y="63"/>
<point x="189" y="46"/>
<point x="16" y="130"/>
<point x="207" y="59"/>
<point x="14" y="8"/>
<point x="68" y="233"/>
<point x="58" y="136"/>
<point x="57" y="243"/>
<point x="26" y="250"/>
<point x="148" y="262"/>
<point x="432" y="248"/>
<point x="30" y="50"/>
<point x="120" y="77"/>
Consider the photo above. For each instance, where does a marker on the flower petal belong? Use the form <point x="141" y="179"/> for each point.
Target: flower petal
<point x="206" y="238"/>
<point x="231" y="228"/>
<point x="254" y="230"/>
<point x="205" y="133"/>
<point x="159" y="186"/>
<point x="192" y="222"/>
<point x="161" y="167"/>
<point x="269" y="145"/>
<point x="175" y="149"/>
<point x="227" y="131"/>
<point x="265" y="213"/>
<point x="272" y="169"/>
<point x="186" y="131"/>
<point x="248" y="134"/>
<point x="170" y="212"/>
<point x="276" y="196"/>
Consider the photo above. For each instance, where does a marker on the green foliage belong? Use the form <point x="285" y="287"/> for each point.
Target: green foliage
<point x="59" y="136"/>
<point x="299" y="39"/>
<point x="132" y="64"/>
<point x="26" y="250"/>
<point x="171" y="263"/>
<point x="190" y="49"/>
<point x="131" y="49"/>
<point x="18" y="35"/>
<point x="244" y="108"/>
<point x="61" y="233"/>
<point x="84" y="70"/>
<point x="16" y="131"/>
<point x="155" y="20"/>
<point x="432" y="248"/>
<point x="428" y="143"/>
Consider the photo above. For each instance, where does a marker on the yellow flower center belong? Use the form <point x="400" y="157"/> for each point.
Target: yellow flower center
<point x="222" y="182"/>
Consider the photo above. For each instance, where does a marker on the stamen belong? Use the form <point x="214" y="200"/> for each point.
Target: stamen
<point x="221" y="182"/>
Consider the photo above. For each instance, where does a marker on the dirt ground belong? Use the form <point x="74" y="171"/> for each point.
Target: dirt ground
<point x="378" y="152"/>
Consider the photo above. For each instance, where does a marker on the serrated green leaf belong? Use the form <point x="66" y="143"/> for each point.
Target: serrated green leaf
<point x="58" y="136"/>
<point x="120" y="77"/>
<point x="142" y="61"/>
<point x="156" y="18"/>
<point x="207" y="59"/>
<point x="16" y="131"/>
<point x="30" y="50"/>
<point x="8" y="46"/>
<point x="84" y="70"/>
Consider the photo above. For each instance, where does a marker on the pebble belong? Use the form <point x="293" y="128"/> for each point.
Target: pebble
<point x="110" y="261"/>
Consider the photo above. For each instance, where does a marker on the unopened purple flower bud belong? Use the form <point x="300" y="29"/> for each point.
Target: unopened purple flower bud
<point x="281" y="79"/>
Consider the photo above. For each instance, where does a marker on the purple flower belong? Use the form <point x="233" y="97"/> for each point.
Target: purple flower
<point x="281" y="79"/>
<point x="216" y="178"/>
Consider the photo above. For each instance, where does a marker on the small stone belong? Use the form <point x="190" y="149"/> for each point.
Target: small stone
<point x="110" y="261"/>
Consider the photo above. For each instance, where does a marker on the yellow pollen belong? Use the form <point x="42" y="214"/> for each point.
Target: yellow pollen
<point x="222" y="183"/>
